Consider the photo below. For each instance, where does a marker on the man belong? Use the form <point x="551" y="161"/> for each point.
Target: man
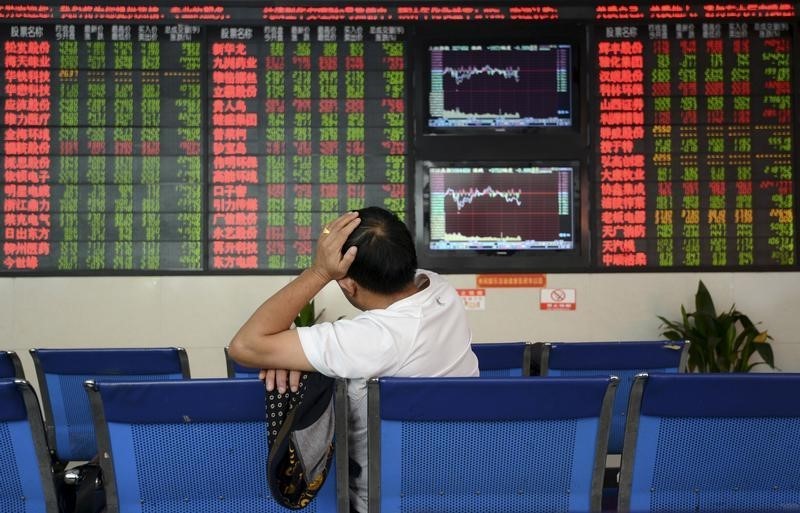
<point x="413" y="323"/>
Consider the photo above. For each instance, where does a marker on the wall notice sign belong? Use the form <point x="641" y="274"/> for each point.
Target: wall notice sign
<point x="474" y="299"/>
<point x="557" y="299"/>
<point x="511" y="280"/>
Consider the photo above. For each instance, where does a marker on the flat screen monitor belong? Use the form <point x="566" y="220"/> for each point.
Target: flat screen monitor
<point x="499" y="87"/>
<point x="499" y="208"/>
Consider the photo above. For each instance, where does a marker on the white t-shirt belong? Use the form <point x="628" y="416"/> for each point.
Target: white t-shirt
<point x="424" y="335"/>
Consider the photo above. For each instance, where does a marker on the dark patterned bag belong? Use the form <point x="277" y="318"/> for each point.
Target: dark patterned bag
<point x="300" y="435"/>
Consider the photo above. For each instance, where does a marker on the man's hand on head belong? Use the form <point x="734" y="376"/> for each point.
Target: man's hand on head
<point x="329" y="262"/>
<point x="266" y="339"/>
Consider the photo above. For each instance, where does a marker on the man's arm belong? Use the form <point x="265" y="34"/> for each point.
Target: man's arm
<point x="266" y="341"/>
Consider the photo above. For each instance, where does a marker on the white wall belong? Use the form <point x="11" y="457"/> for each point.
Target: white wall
<point x="201" y="313"/>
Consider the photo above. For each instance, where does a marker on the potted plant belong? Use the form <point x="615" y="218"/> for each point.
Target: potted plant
<point x="724" y="342"/>
<point x="306" y="316"/>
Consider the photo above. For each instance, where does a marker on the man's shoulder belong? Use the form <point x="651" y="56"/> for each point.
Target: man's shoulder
<point x="436" y="282"/>
<point x="425" y="273"/>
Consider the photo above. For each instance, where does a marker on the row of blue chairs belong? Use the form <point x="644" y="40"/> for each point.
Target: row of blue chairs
<point x="168" y="414"/>
<point x="61" y="374"/>
<point x="68" y="419"/>
<point x="68" y="432"/>
<point x="197" y="445"/>
<point x="568" y="359"/>
<point x="694" y="442"/>
<point x="574" y="359"/>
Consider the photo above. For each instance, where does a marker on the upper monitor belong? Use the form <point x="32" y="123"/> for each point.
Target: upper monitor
<point x="499" y="87"/>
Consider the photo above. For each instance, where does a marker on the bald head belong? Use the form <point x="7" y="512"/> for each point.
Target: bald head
<point x="386" y="260"/>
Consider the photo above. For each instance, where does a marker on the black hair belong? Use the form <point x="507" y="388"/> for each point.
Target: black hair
<point x="386" y="261"/>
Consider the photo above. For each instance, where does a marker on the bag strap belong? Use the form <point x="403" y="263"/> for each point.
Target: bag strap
<point x="86" y="494"/>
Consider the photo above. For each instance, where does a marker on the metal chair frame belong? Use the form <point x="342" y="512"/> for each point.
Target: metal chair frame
<point x="117" y="355"/>
<point x="33" y="449"/>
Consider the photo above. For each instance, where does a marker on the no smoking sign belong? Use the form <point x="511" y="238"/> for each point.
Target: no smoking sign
<point x="557" y="299"/>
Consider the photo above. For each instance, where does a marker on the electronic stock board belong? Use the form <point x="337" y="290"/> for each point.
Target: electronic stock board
<point x="174" y="137"/>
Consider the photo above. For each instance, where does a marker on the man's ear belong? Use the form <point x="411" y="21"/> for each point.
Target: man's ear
<point x="348" y="286"/>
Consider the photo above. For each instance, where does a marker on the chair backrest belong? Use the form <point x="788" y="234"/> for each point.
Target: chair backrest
<point x="236" y="370"/>
<point x="27" y="484"/>
<point x="489" y="445"/>
<point x="188" y="446"/>
<point x="712" y="442"/>
<point x="10" y="366"/>
<point x="622" y="359"/>
<point x="502" y="359"/>
<point x="61" y="373"/>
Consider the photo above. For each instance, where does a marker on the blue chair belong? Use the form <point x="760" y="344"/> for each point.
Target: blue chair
<point x="489" y="445"/>
<point x="188" y="446"/>
<point x="61" y="373"/>
<point x="10" y="366"/>
<point x="236" y="370"/>
<point x="622" y="359"/>
<point x="502" y="359"/>
<point x="712" y="443"/>
<point x="27" y="484"/>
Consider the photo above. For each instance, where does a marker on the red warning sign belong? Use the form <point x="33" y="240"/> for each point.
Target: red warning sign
<point x="557" y="299"/>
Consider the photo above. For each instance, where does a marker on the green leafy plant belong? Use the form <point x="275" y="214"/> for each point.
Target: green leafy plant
<point x="724" y="342"/>
<point x="306" y="316"/>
